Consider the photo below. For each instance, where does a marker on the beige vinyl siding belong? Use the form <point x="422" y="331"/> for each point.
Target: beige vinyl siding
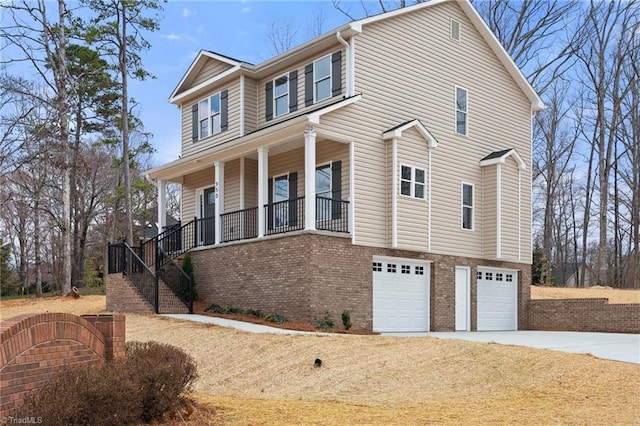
<point x="250" y="105"/>
<point x="250" y="183"/>
<point x="489" y="204"/>
<point x="210" y="69"/>
<point x="232" y="186"/>
<point x="192" y="182"/>
<point x="403" y="77"/>
<point x="188" y="145"/>
<point x="388" y="194"/>
<point x="262" y="122"/>
<point x="509" y="204"/>
<point x="413" y="213"/>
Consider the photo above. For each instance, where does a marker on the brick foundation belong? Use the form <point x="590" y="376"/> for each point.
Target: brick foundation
<point x="595" y="315"/>
<point x="35" y="346"/>
<point x="123" y="296"/>
<point x="303" y="276"/>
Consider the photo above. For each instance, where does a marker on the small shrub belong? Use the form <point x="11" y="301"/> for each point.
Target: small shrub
<point x="87" y="395"/>
<point x="325" y="322"/>
<point x="187" y="267"/>
<point x="346" y="319"/>
<point x="217" y="309"/>
<point x="234" y="310"/>
<point x="162" y="372"/>
<point x="276" y="318"/>
<point x="254" y="312"/>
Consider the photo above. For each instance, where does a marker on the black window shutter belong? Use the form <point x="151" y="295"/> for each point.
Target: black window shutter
<point x="293" y="91"/>
<point x="293" y="195"/>
<point x="270" y="204"/>
<point x="336" y="189"/>
<point x="194" y="122"/>
<point x="308" y="85"/>
<point x="224" y="110"/>
<point x="336" y="73"/>
<point x="269" y="100"/>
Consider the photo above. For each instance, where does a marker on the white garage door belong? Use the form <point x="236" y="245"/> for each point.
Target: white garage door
<point x="400" y="295"/>
<point x="497" y="299"/>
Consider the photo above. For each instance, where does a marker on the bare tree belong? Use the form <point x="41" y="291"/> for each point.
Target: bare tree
<point x="41" y="43"/>
<point x="603" y="58"/>
<point x="281" y="35"/>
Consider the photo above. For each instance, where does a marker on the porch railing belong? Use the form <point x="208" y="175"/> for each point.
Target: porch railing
<point x="284" y="216"/>
<point x="239" y="225"/>
<point x="140" y="275"/>
<point x="332" y="215"/>
<point x="177" y="280"/>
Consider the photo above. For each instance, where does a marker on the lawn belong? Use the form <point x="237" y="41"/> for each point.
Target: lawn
<point x="249" y="379"/>
<point x="613" y="294"/>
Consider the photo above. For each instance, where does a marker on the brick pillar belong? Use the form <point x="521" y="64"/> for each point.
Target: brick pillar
<point x="112" y="327"/>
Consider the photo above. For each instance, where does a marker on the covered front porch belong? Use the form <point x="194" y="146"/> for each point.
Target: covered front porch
<point x="291" y="181"/>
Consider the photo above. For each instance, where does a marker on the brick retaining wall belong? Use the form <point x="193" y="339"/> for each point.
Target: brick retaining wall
<point x="596" y="315"/>
<point x="35" y="346"/>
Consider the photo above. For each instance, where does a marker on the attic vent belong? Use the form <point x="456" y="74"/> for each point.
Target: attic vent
<point x="455" y="30"/>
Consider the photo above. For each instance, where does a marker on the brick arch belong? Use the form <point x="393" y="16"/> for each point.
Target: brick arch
<point x="33" y="347"/>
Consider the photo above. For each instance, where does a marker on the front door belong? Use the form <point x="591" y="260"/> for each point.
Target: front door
<point x="208" y="213"/>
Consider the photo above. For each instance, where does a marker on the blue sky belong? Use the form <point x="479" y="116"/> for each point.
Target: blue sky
<point x="233" y="28"/>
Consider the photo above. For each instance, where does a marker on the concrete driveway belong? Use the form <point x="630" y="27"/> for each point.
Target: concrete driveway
<point x="613" y="346"/>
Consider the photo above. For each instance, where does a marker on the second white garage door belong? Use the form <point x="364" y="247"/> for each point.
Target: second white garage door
<point x="497" y="299"/>
<point x="400" y="295"/>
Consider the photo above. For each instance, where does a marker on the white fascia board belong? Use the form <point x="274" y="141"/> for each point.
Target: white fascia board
<point x="314" y="117"/>
<point x="204" y="84"/>
<point x="501" y="160"/>
<point x="426" y="134"/>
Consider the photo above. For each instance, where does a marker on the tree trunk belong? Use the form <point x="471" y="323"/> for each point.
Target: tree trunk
<point x="125" y="127"/>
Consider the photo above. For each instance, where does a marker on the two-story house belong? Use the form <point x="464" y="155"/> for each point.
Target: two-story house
<point x="383" y="168"/>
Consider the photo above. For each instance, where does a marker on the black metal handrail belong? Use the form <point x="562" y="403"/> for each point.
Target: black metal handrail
<point x="239" y="225"/>
<point x="284" y="216"/>
<point x="177" y="280"/>
<point x="332" y="215"/>
<point x="140" y="275"/>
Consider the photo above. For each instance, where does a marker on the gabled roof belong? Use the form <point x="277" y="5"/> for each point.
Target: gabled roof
<point x="355" y="27"/>
<point x="396" y="132"/>
<point x="500" y="157"/>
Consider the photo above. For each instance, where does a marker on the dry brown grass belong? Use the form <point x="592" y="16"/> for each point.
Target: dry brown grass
<point x="251" y="379"/>
<point x="84" y="305"/>
<point x="614" y="295"/>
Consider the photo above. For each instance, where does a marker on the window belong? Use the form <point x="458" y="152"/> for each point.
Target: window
<point x="281" y="193"/>
<point x="467" y="206"/>
<point x="461" y="111"/>
<point x="323" y="189"/>
<point x="455" y="30"/>
<point x="479" y="275"/>
<point x="509" y="278"/>
<point x="419" y="270"/>
<point x="322" y="78"/>
<point x="412" y="181"/>
<point x="405" y="269"/>
<point x="488" y="276"/>
<point x="377" y="267"/>
<point x="391" y="267"/>
<point x="209" y="116"/>
<point x="281" y="95"/>
<point x="498" y="276"/>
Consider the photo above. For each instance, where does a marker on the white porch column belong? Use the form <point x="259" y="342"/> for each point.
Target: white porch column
<point x="263" y="187"/>
<point x="162" y="205"/>
<point x="219" y="206"/>
<point x="309" y="178"/>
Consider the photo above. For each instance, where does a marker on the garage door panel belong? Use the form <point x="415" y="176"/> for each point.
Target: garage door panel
<point x="400" y="300"/>
<point x="497" y="299"/>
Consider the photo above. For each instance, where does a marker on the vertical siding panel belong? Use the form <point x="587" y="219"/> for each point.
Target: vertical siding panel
<point x="250" y="183"/>
<point x="510" y="210"/>
<point x="232" y="186"/>
<point x="489" y="204"/>
<point x="250" y="105"/>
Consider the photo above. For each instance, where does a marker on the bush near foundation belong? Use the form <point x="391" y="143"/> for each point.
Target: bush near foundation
<point x="144" y="385"/>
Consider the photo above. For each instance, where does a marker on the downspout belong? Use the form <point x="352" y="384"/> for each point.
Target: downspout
<point x="349" y="65"/>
